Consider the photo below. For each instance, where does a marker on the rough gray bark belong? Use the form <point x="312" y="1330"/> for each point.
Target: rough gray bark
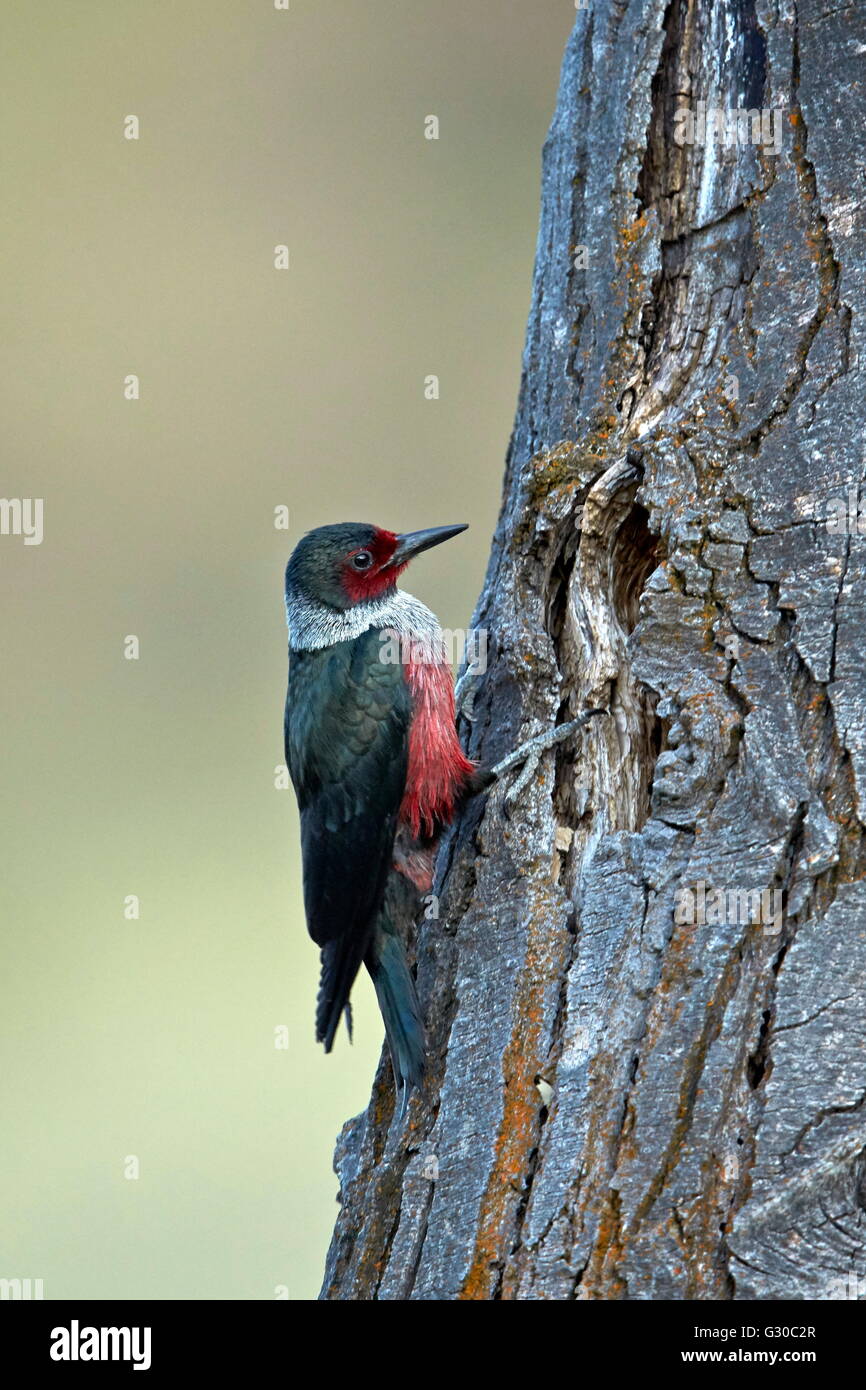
<point x="625" y="1105"/>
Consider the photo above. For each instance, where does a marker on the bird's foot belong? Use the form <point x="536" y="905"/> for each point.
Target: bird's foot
<point x="529" y="753"/>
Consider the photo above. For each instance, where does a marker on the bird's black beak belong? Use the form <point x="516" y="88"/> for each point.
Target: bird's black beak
<point x="415" y="541"/>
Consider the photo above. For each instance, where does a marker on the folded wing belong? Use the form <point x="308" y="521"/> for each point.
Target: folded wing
<point x="346" y="727"/>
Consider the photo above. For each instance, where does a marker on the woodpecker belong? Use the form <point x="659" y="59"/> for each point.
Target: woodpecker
<point x="374" y="757"/>
<point x="377" y="767"/>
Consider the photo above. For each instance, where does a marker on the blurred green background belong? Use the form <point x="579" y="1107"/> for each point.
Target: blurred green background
<point x="259" y="387"/>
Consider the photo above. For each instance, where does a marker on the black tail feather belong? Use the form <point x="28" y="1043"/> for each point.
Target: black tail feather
<point x="341" y="961"/>
<point x="398" y="1001"/>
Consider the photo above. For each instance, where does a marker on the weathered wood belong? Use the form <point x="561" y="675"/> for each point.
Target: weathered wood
<point x="627" y="1105"/>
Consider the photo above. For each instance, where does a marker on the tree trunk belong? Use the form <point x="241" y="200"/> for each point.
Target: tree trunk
<point x="645" y="988"/>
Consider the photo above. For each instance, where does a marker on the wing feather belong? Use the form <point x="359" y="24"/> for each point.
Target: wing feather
<point x="347" y="725"/>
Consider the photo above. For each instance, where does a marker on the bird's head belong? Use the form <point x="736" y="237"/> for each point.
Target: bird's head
<point x="352" y="563"/>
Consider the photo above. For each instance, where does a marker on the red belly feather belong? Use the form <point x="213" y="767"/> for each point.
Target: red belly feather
<point x="438" y="767"/>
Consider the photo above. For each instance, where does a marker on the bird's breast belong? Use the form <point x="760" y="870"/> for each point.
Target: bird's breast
<point x="437" y="766"/>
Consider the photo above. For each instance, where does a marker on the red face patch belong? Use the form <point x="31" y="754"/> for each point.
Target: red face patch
<point x="367" y="571"/>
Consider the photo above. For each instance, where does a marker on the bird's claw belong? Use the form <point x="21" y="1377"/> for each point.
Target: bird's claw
<point x="530" y="767"/>
<point x="529" y="753"/>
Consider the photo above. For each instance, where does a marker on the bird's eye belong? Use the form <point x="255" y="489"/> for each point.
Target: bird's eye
<point x="363" y="560"/>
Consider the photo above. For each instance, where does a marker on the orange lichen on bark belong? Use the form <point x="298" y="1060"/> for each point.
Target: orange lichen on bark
<point x="545" y="960"/>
